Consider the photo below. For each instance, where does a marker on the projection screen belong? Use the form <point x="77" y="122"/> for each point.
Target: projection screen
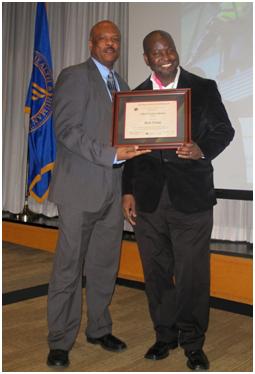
<point x="214" y="40"/>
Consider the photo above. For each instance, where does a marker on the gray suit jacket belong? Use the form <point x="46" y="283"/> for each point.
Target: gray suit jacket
<point x="83" y="174"/>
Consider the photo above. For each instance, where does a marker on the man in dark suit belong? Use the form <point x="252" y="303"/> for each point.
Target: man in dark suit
<point x="168" y="196"/>
<point x="86" y="187"/>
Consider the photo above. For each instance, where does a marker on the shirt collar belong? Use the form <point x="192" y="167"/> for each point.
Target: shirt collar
<point x="104" y="71"/>
<point x="157" y="85"/>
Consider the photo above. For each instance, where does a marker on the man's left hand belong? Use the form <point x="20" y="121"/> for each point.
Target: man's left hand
<point x="190" y="151"/>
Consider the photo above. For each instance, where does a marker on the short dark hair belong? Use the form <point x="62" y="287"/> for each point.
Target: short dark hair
<point x="147" y="38"/>
<point x="98" y="24"/>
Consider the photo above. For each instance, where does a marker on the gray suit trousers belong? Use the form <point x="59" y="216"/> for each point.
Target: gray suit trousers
<point x="89" y="241"/>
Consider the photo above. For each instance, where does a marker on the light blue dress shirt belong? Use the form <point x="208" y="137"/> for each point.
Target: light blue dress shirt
<point x="104" y="71"/>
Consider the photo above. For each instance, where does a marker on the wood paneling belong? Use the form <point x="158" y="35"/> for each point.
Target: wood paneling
<point x="231" y="277"/>
<point x="30" y="236"/>
<point x="130" y="262"/>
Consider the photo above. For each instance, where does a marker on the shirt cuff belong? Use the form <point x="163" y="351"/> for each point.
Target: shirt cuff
<point x="116" y="162"/>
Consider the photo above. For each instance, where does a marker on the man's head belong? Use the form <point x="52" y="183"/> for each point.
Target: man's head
<point x="161" y="55"/>
<point x="104" y="42"/>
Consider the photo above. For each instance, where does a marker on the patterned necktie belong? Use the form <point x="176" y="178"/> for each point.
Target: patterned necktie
<point x="111" y="83"/>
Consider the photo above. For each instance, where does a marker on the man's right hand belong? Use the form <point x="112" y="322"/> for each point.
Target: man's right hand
<point x="128" y="205"/>
<point x="125" y="153"/>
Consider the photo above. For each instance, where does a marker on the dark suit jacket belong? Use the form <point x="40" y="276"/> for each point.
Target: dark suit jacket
<point x="83" y="175"/>
<point x="189" y="182"/>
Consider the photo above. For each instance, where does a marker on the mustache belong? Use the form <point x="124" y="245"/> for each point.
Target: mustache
<point x="110" y="49"/>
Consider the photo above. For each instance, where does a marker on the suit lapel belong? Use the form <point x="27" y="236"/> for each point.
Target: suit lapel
<point x="146" y="85"/>
<point x="122" y="85"/>
<point x="183" y="79"/>
<point x="98" y="82"/>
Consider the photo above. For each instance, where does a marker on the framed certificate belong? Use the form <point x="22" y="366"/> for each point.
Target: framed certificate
<point x="153" y="119"/>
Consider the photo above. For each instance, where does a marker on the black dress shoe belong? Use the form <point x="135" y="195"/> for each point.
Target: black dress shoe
<point x="197" y="360"/>
<point x="160" y="350"/>
<point x="58" y="358"/>
<point x="108" y="342"/>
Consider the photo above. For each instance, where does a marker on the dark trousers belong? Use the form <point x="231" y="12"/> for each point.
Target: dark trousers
<point x="174" y="249"/>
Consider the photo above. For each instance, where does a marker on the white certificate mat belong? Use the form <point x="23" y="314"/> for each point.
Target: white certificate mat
<point x="150" y="119"/>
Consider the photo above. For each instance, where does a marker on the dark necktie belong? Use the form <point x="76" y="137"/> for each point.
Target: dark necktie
<point x="111" y="83"/>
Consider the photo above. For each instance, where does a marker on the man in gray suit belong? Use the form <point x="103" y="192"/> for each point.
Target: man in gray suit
<point x="86" y="186"/>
